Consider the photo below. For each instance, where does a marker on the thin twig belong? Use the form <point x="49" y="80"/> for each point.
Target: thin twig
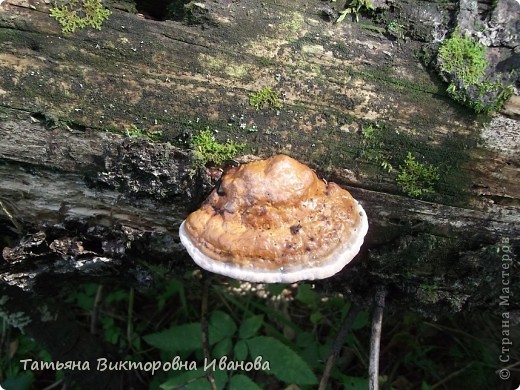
<point x="130" y="318"/>
<point x="95" y="309"/>
<point x="204" y="323"/>
<point x="54" y="385"/>
<point x="511" y="366"/>
<point x="338" y="343"/>
<point x="375" y="338"/>
<point x="451" y="376"/>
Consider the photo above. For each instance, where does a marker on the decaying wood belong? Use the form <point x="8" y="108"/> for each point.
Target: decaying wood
<point x="97" y="197"/>
<point x="81" y="201"/>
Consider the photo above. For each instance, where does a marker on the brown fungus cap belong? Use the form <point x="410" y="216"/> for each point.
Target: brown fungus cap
<point x="274" y="221"/>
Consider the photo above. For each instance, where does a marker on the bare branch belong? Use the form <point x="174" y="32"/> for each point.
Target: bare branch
<point x="338" y="343"/>
<point x="375" y="338"/>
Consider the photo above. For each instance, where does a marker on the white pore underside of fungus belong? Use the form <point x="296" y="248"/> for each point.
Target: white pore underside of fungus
<point x="335" y="262"/>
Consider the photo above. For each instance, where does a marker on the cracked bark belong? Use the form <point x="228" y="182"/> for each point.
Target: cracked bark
<point x="83" y="203"/>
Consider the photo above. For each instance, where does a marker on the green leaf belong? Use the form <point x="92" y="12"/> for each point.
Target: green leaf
<point x="242" y="382"/>
<point x="223" y="347"/>
<point x="117" y="296"/>
<point x="250" y="326"/>
<point x="22" y="381"/>
<point x="194" y="380"/>
<point x="361" y="320"/>
<point x="241" y="350"/>
<point x="355" y="383"/>
<point x="425" y="386"/>
<point x="275" y="288"/>
<point x="173" y="287"/>
<point x="221" y="325"/>
<point x="307" y="295"/>
<point x="284" y="363"/>
<point x="182" y="378"/>
<point x="305" y="338"/>
<point x="316" y="317"/>
<point x="178" y="338"/>
<point x="343" y="14"/>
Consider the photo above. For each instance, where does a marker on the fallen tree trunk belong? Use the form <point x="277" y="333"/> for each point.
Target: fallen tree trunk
<point x="89" y="200"/>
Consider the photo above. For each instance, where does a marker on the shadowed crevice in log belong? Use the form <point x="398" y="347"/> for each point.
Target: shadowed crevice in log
<point x="162" y="9"/>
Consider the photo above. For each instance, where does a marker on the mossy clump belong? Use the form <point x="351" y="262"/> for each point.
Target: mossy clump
<point x="416" y="179"/>
<point x="372" y="148"/>
<point x="395" y="29"/>
<point x="208" y="150"/>
<point x="78" y="14"/>
<point x="265" y="98"/>
<point x="462" y="62"/>
<point x="136" y="132"/>
<point x="464" y="57"/>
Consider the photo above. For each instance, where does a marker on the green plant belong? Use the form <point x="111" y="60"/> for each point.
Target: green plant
<point x="77" y="14"/>
<point x="136" y="132"/>
<point x="395" y="29"/>
<point x="208" y="150"/>
<point x="16" y="346"/>
<point x="264" y="98"/>
<point x="485" y="97"/>
<point x="462" y="62"/>
<point x="416" y="179"/>
<point x="291" y="327"/>
<point x="464" y="57"/>
<point x="373" y="148"/>
<point x="231" y="343"/>
<point x="354" y="7"/>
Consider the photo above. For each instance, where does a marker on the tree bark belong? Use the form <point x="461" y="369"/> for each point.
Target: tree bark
<point x="83" y="200"/>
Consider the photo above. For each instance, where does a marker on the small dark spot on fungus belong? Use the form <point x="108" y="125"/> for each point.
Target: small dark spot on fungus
<point x="295" y="228"/>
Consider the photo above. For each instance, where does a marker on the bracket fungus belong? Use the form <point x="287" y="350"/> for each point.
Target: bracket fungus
<point x="274" y="221"/>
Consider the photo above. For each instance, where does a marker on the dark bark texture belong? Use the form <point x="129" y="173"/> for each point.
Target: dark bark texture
<point x="82" y="200"/>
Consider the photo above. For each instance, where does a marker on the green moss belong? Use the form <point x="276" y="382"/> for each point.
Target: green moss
<point x="416" y="179"/>
<point x="464" y="57"/>
<point x="78" y="14"/>
<point x="265" y="61"/>
<point x="386" y="74"/>
<point x="208" y="150"/>
<point x="265" y="98"/>
<point x="462" y="62"/>
<point x="485" y="97"/>
<point x="380" y="149"/>
<point x="136" y="132"/>
<point x="294" y="23"/>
